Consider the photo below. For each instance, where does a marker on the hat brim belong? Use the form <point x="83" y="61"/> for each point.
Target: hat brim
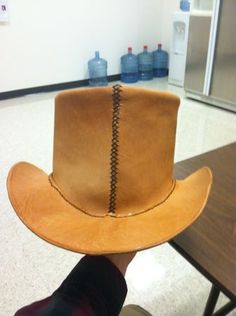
<point x="43" y="210"/>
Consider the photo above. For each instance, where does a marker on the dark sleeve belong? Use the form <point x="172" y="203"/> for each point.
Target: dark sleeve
<point x="95" y="287"/>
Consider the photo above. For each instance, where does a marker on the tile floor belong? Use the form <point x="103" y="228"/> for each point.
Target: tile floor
<point x="159" y="279"/>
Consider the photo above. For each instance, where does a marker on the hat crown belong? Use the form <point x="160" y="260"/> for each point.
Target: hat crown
<point x="114" y="149"/>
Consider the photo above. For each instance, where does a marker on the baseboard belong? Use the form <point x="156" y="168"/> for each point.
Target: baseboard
<point x="50" y="88"/>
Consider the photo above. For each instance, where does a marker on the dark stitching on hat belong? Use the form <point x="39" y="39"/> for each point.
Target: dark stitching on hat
<point x="116" y="98"/>
<point x="151" y="207"/>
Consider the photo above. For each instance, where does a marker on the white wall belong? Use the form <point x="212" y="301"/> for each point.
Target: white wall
<point x="47" y="42"/>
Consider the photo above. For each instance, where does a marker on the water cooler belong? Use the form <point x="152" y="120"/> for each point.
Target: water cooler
<point x="178" y="48"/>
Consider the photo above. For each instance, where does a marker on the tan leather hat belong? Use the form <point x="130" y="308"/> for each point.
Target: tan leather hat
<point x="112" y="188"/>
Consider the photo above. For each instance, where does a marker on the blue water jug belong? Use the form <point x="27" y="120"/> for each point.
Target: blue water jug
<point x="145" y="64"/>
<point x="129" y="67"/>
<point x="160" y="62"/>
<point x="184" y="5"/>
<point x="97" y="71"/>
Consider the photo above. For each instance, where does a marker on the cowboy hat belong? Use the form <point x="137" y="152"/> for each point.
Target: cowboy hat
<point x="112" y="188"/>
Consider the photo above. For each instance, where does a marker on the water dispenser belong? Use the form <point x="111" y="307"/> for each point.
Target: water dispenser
<point x="178" y="48"/>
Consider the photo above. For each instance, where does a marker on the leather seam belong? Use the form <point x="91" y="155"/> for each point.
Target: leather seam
<point x="151" y="207"/>
<point x="114" y="155"/>
<point x="53" y="184"/>
<point x="113" y="215"/>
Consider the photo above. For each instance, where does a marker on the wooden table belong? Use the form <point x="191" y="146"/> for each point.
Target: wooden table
<point x="210" y="243"/>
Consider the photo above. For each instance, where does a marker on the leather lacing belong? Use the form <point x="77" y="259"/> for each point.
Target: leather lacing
<point x="116" y="97"/>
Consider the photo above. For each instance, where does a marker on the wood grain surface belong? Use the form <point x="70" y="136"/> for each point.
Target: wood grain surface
<point x="210" y="243"/>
